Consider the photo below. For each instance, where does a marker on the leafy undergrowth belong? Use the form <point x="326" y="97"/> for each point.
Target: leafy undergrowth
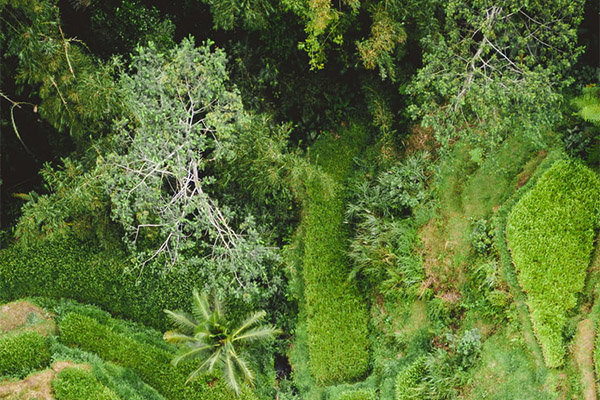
<point x="551" y="233"/>
<point x="121" y="360"/>
<point x="470" y="189"/>
<point x="507" y="371"/>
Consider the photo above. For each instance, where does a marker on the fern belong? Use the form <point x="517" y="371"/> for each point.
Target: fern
<point x="588" y="104"/>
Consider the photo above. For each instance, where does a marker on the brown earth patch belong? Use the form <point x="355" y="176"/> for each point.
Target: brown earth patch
<point x="37" y="386"/>
<point x="440" y="243"/>
<point x="23" y="315"/>
<point x="420" y="139"/>
<point x="583" y="354"/>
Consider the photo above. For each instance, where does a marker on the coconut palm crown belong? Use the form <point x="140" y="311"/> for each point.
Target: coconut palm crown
<point x="205" y="336"/>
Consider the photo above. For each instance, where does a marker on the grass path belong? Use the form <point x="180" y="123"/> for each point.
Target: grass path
<point x="583" y="349"/>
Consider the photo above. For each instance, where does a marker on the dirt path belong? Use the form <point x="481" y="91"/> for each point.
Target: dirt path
<point x="36" y="386"/>
<point x="583" y="350"/>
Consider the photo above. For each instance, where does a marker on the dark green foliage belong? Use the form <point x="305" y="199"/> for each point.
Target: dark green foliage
<point x="77" y="384"/>
<point x="152" y="364"/>
<point x="337" y="318"/>
<point x="74" y="93"/>
<point x="481" y="235"/>
<point x="80" y="270"/>
<point x="494" y="67"/>
<point x="551" y="232"/>
<point x="21" y="353"/>
<point x="117" y="27"/>
<point x="251" y="14"/>
<point x="382" y="248"/>
<point x="357" y="394"/>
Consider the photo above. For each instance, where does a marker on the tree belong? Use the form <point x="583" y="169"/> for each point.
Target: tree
<point x="207" y="337"/>
<point x="184" y="120"/>
<point x="497" y="67"/>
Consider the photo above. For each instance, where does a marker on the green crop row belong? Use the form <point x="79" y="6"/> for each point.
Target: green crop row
<point x="69" y="268"/>
<point x="77" y="384"/>
<point x="151" y="364"/>
<point x="551" y="233"/>
<point x="23" y="352"/>
<point x="336" y="313"/>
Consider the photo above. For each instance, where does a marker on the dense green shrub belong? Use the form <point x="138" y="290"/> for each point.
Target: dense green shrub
<point x="23" y="352"/>
<point x="358" y="394"/>
<point x="70" y="268"/>
<point x="551" y="233"/>
<point x="77" y="384"/>
<point x="337" y="317"/>
<point x="408" y="381"/>
<point x="152" y="364"/>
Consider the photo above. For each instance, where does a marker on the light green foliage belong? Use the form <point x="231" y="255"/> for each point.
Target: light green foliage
<point x="551" y="233"/>
<point x="357" y="394"/>
<point x="329" y="25"/>
<point x="150" y="363"/>
<point x="77" y="384"/>
<point x="588" y="104"/>
<point x="185" y="120"/>
<point x="494" y="69"/>
<point x="207" y="339"/>
<point x="336" y="314"/>
<point x="76" y="204"/>
<point x="507" y="371"/>
<point x="23" y="352"/>
<point x="408" y="381"/>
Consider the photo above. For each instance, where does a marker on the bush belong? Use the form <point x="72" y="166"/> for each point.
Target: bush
<point x="337" y="318"/>
<point x="77" y="384"/>
<point x="22" y="353"/>
<point x="358" y="394"/>
<point x="408" y="381"/>
<point x="551" y="234"/>
<point x="71" y="268"/>
<point x="152" y="364"/>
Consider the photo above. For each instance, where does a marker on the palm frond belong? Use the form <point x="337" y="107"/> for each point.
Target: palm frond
<point x="231" y="376"/>
<point x="177" y="338"/>
<point x="248" y="374"/>
<point x="251" y="320"/>
<point x="200" y="307"/>
<point x="207" y="365"/>
<point x="181" y="320"/>
<point x="191" y="354"/>
<point x="262" y="332"/>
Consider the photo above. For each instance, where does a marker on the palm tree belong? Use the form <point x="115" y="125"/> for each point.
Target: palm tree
<point x="205" y="336"/>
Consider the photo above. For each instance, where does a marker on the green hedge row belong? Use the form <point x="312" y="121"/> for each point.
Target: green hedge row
<point x="69" y="268"/>
<point x="409" y="379"/>
<point x="78" y="384"/>
<point x="551" y="234"/>
<point x="336" y="313"/>
<point x="152" y="364"/>
<point x="357" y="394"/>
<point x="21" y="353"/>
